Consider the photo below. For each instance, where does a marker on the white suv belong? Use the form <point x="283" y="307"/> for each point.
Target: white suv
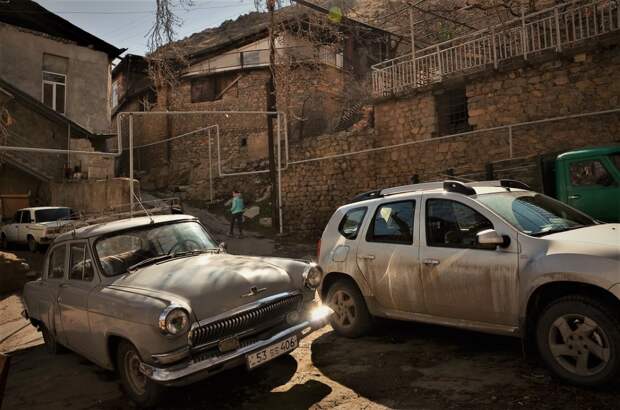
<point x="35" y="226"/>
<point x="490" y="256"/>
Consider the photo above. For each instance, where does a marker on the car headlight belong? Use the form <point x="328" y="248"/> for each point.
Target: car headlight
<point x="174" y="320"/>
<point x="313" y="275"/>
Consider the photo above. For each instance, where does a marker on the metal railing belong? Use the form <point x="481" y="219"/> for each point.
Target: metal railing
<point x="325" y="54"/>
<point x="555" y="28"/>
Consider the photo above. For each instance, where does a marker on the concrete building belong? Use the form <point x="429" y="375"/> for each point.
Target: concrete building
<point x="55" y="94"/>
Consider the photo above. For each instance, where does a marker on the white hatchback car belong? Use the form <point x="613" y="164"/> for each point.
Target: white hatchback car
<point x="35" y="226"/>
<point x="491" y="256"/>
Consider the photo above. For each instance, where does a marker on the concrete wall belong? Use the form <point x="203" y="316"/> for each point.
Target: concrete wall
<point x="15" y="181"/>
<point x="88" y="76"/>
<point x="92" y="195"/>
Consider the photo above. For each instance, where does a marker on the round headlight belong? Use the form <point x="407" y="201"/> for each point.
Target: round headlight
<point x="313" y="276"/>
<point x="174" y="320"/>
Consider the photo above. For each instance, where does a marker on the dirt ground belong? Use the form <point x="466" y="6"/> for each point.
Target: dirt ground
<point x="400" y="366"/>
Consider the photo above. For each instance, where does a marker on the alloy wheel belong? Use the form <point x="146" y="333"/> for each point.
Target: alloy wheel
<point x="579" y="344"/>
<point x="344" y="308"/>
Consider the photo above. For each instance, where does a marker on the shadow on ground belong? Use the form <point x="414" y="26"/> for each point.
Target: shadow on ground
<point x="407" y="365"/>
<point x="38" y="380"/>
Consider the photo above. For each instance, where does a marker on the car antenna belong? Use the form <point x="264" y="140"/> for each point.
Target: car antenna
<point x="143" y="208"/>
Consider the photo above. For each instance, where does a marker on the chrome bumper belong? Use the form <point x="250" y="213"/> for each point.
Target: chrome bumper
<point x="191" y="371"/>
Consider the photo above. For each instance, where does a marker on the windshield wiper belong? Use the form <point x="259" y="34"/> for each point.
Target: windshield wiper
<point x="149" y="261"/>
<point x="170" y="256"/>
<point x="551" y="231"/>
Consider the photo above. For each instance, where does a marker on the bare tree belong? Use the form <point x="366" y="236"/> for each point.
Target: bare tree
<point x="166" y="59"/>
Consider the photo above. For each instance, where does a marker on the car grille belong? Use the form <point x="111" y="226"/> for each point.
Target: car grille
<point x="244" y="321"/>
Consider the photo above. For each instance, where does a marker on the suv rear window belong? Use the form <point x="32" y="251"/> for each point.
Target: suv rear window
<point x="351" y="222"/>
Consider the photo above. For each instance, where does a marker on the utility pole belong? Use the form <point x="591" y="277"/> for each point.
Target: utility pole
<point x="272" y="106"/>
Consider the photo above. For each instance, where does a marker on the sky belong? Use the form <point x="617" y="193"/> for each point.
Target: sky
<point x="125" y="24"/>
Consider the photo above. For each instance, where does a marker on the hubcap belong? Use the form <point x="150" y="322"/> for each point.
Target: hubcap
<point x="135" y="377"/>
<point x="579" y="345"/>
<point x="344" y="308"/>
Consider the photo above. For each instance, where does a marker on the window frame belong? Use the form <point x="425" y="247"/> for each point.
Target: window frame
<point x="445" y="108"/>
<point x="592" y="161"/>
<point x="54" y="85"/>
<point x="49" y="264"/>
<point x="427" y="230"/>
<point x="86" y="255"/>
<point x="361" y="224"/>
<point x="371" y="224"/>
<point x="26" y="214"/>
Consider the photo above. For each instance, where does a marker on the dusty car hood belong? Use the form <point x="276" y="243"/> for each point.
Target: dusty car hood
<point x="604" y="234"/>
<point x="601" y="240"/>
<point x="212" y="283"/>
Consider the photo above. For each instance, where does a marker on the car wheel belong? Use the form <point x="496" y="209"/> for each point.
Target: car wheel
<point x="351" y="317"/>
<point x="51" y="345"/>
<point x="579" y="338"/>
<point x="4" y="243"/>
<point x="142" y="390"/>
<point x="33" y="246"/>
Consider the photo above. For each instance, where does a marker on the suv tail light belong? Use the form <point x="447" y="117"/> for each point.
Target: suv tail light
<point x="318" y="250"/>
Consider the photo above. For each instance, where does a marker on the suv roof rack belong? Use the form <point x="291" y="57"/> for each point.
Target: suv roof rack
<point x="465" y="188"/>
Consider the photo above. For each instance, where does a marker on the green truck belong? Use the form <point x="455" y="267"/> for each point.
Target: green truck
<point x="587" y="179"/>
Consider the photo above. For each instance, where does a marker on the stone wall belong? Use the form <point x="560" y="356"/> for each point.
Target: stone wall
<point x="570" y="84"/>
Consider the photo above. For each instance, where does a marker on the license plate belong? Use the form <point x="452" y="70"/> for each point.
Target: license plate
<point x="271" y="352"/>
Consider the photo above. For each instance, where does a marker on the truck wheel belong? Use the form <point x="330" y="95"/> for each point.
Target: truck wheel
<point x="142" y="390"/>
<point x="33" y="246"/>
<point x="51" y="345"/>
<point x="579" y="339"/>
<point x="351" y="317"/>
<point x="4" y="243"/>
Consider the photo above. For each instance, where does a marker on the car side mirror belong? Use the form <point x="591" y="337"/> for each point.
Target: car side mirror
<point x="491" y="237"/>
<point x="223" y="246"/>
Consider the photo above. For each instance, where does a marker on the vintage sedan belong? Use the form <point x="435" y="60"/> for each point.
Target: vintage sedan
<point x="157" y="300"/>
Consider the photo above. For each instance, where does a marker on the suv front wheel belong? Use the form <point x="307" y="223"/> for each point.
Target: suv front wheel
<point x="351" y="317"/>
<point x="579" y="339"/>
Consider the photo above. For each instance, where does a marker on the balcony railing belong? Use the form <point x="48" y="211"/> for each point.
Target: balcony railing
<point x="557" y="28"/>
<point x="260" y="58"/>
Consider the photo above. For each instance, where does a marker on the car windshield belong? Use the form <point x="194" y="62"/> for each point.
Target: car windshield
<point x="53" y="214"/>
<point x="535" y="214"/>
<point x="118" y="253"/>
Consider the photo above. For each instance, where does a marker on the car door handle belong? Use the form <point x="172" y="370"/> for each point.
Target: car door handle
<point x="576" y="196"/>
<point x="431" y="262"/>
<point x="367" y="257"/>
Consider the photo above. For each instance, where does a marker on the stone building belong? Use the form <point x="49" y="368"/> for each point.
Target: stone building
<point x="56" y="82"/>
<point x="486" y="104"/>
<point x="319" y="84"/>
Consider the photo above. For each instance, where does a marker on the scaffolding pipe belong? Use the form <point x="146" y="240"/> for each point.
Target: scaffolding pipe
<point x="447" y="137"/>
<point x="280" y="224"/>
<point x="131" y="190"/>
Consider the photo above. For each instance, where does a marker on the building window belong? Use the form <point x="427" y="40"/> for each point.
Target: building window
<point x="214" y="87"/>
<point x="54" y="91"/>
<point x="452" y="112"/>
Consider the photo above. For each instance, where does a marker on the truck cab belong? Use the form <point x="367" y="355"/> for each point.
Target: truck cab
<point x="589" y="180"/>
